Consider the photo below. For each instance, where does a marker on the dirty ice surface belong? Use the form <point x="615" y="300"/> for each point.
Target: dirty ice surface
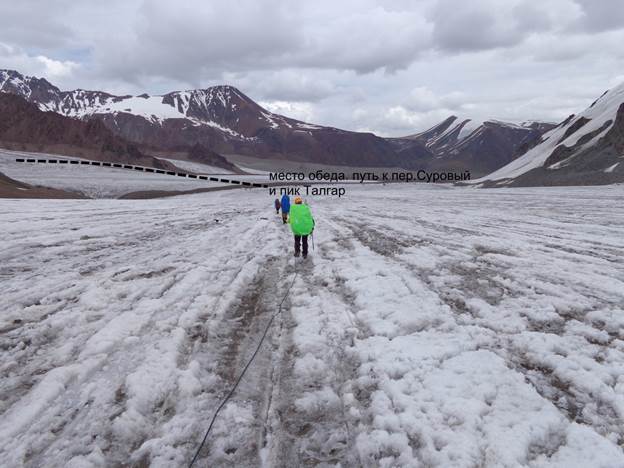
<point x="429" y="327"/>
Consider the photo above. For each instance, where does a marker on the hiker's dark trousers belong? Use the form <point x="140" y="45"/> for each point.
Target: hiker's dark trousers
<point x="298" y="240"/>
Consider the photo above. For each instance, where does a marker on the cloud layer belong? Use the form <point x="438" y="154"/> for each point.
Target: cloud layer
<point x="393" y="67"/>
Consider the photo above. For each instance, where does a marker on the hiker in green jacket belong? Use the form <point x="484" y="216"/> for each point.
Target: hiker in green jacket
<point x="302" y="225"/>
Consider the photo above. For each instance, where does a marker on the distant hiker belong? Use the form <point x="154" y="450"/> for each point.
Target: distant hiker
<point x="285" y="208"/>
<point x="278" y="205"/>
<point x="302" y="225"/>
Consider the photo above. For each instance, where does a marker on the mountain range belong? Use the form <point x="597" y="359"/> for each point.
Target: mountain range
<point x="217" y="124"/>
<point x="221" y="118"/>
<point x="228" y="122"/>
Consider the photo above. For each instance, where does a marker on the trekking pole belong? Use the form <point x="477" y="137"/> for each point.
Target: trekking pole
<point x="312" y="237"/>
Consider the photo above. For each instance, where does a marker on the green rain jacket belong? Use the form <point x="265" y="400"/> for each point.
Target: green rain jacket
<point x="301" y="221"/>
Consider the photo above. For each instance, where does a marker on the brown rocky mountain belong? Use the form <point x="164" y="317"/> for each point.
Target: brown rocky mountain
<point x="24" y="127"/>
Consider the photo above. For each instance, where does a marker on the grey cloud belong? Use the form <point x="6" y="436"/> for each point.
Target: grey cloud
<point x="285" y="85"/>
<point x="601" y="15"/>
<point x="207" y="39"/>
<point x="367" y="40"/>
<point x="31" y="24"/>
<point x="485" y="24"/>
<point x="423" y="99"/>
<point x="575" y="48"/>
<point x="196" y="39"/>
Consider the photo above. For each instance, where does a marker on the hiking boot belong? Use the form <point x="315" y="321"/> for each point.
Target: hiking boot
<point x="297" y="254"/>
<point x="305" y="256"/>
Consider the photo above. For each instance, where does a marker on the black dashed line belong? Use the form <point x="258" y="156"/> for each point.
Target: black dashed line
<point x="139" y="168"/>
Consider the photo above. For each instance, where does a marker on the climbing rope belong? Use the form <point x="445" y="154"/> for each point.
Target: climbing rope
<point x="242" y="374"/>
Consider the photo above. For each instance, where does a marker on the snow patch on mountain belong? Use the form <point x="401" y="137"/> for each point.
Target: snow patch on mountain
<point x="152" y="108"/>
<point x="611" y="168"/>
<point x="468" y="128"/>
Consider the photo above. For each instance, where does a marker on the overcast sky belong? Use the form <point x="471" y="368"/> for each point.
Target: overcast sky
<point x="392" y="67"/>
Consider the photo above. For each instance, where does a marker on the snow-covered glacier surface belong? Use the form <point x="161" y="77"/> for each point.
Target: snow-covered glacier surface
<point x="429" y="327"/>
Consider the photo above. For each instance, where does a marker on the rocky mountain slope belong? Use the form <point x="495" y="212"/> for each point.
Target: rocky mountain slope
<point x="25" y="127"/>
<point x="478" y="146"/>
<point x="585" y="149"/>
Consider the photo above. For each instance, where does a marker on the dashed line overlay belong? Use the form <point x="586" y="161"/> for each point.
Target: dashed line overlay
<point x="139" y="168"/>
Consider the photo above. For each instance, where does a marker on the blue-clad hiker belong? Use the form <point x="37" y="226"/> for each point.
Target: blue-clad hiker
<point x="285" y="208"/>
